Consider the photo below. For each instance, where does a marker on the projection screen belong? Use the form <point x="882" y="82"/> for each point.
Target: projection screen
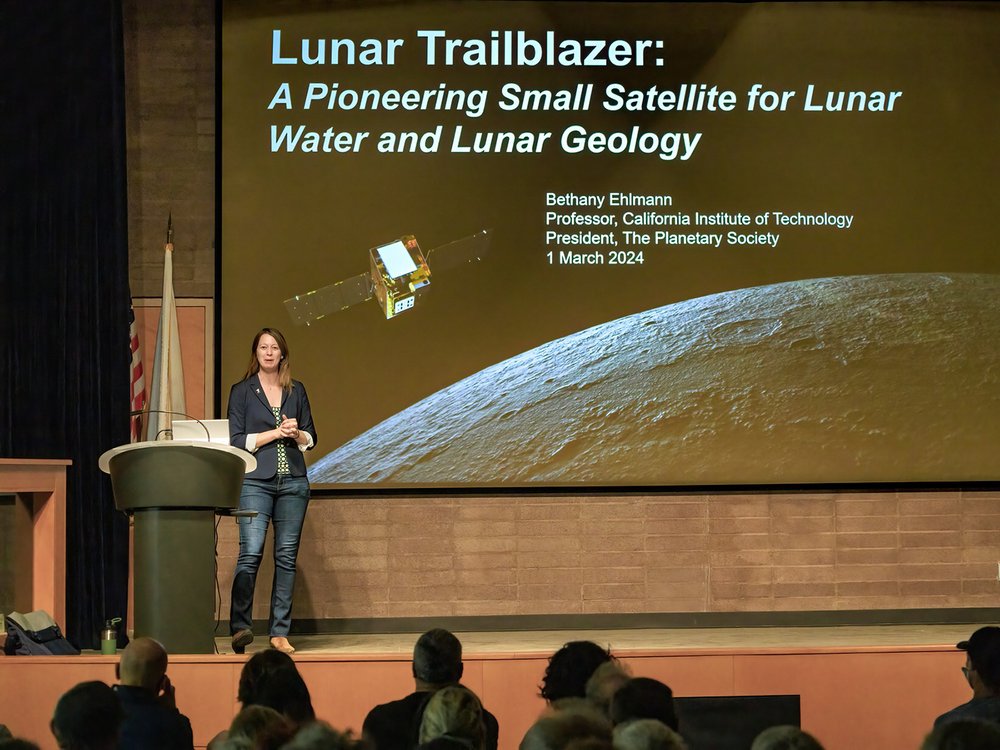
<point x="585" y="245"/>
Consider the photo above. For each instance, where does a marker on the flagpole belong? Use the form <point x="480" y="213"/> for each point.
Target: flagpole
<point x="167" y="383"/>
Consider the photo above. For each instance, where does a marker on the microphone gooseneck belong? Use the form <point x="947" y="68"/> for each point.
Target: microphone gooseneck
<point x="140" y="412"/>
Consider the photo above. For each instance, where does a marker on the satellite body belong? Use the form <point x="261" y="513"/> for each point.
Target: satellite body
<point x="399" y="273"/>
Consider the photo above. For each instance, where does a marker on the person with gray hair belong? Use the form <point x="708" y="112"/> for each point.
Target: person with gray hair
<point x="785" y="737"/>
<point x="605" y="682"/>
<point x="569" y="724"/>
<point x="321" y="736"/>
<point x="437" y="663"/>
<point x="646" y="734"/>
<point x="265" y="728"/>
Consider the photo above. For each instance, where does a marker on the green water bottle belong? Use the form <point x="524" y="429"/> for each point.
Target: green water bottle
<point x="109" y="636"/>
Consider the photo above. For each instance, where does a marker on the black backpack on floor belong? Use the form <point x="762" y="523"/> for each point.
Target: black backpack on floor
<point x="35" y="634"/>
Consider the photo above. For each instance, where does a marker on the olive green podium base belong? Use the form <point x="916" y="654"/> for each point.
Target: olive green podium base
<point x="175" y="561"/>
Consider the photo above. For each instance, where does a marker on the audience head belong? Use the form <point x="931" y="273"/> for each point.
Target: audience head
<point x="266" y="728"/>
<point x="5" y="733"/>
<point x="259" y="668"/>
<point x="575" y="705"/>
<point x="143" y="664"/>
<point x="646" y="734"/>
<point x="605" y="682"/>
<point x="270" y="678"/>
<point x="13" y="743"/>
<point x="88" y="716"/>
<point x="233" y="743"/>
<point x="321" y="736"/>
<point x="983" y="660"/>
<point x="569" y="725"/>
<point x="444" y="742"/>
<point x="454" y="712"/>
<point x="644" y="698"/>
<point x="963" y="734"/>
<point x="437" y="659"/>
<point x="785" y="737"/>
<point x="569" y="669"/>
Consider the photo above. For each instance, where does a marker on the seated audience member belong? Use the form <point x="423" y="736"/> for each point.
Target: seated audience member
<point x="455" y="714"/>
<point x="644" y="698"/>
<point x="10" y="742"/>
<point x="982" y="672"/>
<point x="605" y="682"/>
<point x="264" y="727"/>
<point x="569" y="669"/>
<point x="270" y="678"/>
<point x="147" y="697"/>
<point x="569" y="725"/>
<point x="13" y="743"/>
<point x="575" y="705"/>
<point x="963" y="734"/>
<point x="321" y="736"/>
<point x="224" y="742"/>
<point x="785" y="737"/>
<point x="444" y="742"/>
<point x="437" y="663"/>
<point x="88" y="716"/>
<point x="646" y="734"/>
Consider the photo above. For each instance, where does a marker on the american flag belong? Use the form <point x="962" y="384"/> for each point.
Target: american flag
<point x="138" y="395"/>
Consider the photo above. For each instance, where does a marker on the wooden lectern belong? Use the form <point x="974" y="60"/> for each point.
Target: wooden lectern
<point x="39" y="533"/>
<point x="174" y="488"/>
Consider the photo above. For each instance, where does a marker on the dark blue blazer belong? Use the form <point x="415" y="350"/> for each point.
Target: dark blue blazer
<point x="249" y="412"/>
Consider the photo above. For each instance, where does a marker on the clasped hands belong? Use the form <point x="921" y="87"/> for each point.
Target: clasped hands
<point x="289" y="428"/>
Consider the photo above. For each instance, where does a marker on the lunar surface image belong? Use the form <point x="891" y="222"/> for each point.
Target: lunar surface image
<point x="845" y="379"/>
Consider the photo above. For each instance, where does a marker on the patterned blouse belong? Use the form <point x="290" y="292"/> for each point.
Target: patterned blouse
<point x="282" y="456"/>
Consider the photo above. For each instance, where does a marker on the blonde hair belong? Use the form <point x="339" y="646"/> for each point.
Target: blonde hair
<point x="454" y="711"/>
<point x="284" y="368"/>
<point x="646" y="734"/>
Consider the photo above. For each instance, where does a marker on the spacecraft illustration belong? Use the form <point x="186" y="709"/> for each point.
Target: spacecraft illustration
<point x="399" y="274"/>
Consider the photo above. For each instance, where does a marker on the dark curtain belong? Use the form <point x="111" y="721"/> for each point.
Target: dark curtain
<point x="64" y="367"/>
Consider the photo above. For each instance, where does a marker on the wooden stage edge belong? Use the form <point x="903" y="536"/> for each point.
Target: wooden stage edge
<point x="858" y="686"/>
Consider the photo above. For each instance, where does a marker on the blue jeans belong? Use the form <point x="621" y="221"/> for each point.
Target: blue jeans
<point x="282" y="500"/>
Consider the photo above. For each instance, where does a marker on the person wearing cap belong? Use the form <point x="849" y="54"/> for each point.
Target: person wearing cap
<point x="982" y="672"/>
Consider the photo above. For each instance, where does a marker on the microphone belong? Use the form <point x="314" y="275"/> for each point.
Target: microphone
<point x="170" y="433"/>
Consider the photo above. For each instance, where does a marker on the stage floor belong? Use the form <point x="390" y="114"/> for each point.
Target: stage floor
<point x="638" y="640"/>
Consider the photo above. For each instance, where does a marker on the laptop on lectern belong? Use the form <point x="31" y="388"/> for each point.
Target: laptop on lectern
<point x="193" y="429"/>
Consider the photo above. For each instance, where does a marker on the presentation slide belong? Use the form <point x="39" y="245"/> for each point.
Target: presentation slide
<point x="578" y="245"/>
